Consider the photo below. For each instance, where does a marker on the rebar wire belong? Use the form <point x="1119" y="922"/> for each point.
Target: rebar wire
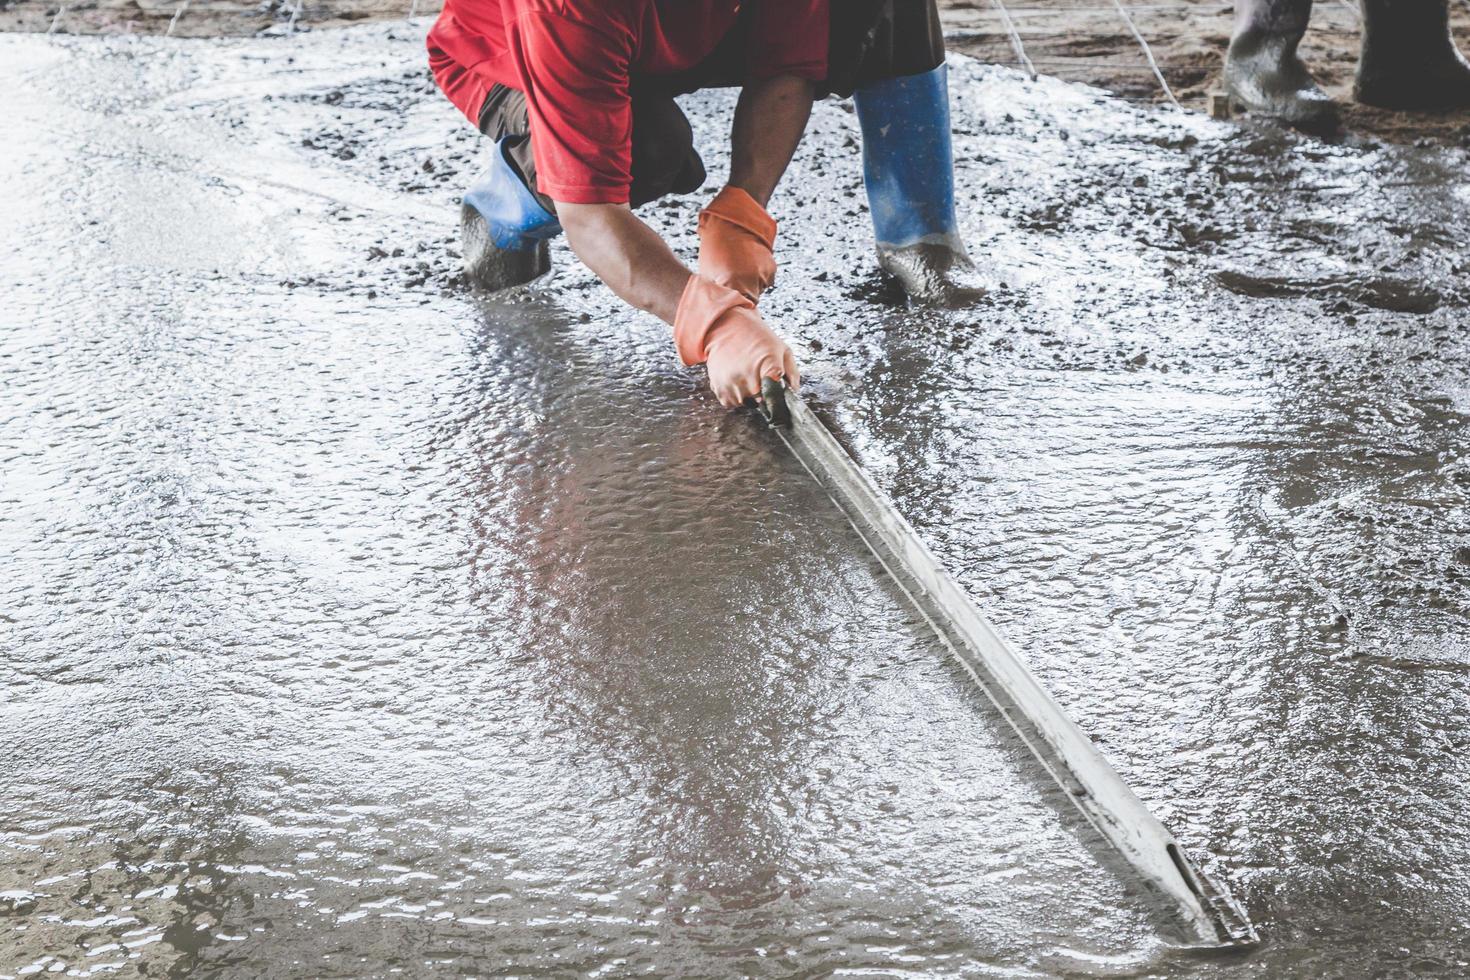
<point x="57" y="19"/>
<point x="1016" y="45"/>
<point x="413" y="9"/>
<point x="985" y="34"/>
<point x="1086" y="63"/>
<point x="1147" y="53"/>
<point x="174" y="20"/>
<point x="1203" y="7"/>
<point x="295" y="12"/>
<point x="1224" y="8"/>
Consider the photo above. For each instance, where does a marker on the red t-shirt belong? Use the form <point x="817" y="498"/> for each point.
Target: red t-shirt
<point x="574" y="58"/>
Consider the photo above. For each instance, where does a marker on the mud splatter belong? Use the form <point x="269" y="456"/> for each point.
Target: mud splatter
<point x="1378" y="292"/>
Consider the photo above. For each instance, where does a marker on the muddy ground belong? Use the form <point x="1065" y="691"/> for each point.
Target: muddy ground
<point x="355" y="623"/>
<point x="1076" y="40"/>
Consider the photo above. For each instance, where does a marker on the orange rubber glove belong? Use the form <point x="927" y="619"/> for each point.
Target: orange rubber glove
<point x="735" y="241"/>
<point x="718" y="327"/>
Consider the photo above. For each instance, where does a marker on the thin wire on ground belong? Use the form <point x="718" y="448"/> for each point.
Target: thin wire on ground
<point x="1015" y="38"/>
<point x="1029" y="11"/>
<point x="174" y="20"/>
<point x="1147" y="53"/>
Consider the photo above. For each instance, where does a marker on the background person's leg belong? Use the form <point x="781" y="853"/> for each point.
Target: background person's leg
<point x="1263" y="72"/>
<point x="1408" y="59"/>
<point x="504" y="222"/>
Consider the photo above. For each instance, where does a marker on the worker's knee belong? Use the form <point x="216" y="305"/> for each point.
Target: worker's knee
<point x="664" y="158"/>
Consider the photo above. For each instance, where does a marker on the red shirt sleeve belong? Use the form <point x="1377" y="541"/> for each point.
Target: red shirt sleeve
<point x="789" y="37"/>
<point x="466" y="88"/>
<point x="575" y="77"/>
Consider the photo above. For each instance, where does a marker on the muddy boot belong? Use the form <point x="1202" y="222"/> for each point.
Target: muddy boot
<point x="1408" y="59"/>
<point x="1263" y="73"/>
<point x="504" y="228"/>
<point x="908" y="169"/>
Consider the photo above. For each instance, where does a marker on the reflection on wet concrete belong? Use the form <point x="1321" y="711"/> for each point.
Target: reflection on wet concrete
<point x="355" y="623"/>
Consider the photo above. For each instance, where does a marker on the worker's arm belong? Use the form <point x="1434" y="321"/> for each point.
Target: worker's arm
<point x="626" y="254"/>
<point x="769" y="120"/>
<point x="713" y="325"/>
<point x="736" y="235"/>
<point x="631" y="258"/>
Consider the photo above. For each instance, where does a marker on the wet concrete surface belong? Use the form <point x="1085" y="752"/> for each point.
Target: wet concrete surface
<point x="353" y="623"/>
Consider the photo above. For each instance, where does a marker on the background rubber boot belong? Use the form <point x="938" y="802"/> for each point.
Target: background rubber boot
<point x="908" y="169"/>
<point x="1263" y="73"/>
<point x="1408" y="59"/>
<point x="503" y="227"/>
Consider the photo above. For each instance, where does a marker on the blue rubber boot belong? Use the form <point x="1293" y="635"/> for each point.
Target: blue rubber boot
<point x="908" y="168"/>
<point x="503" y="227"/>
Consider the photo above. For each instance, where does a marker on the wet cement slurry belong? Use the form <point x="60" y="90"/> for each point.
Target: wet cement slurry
<point x="355" y="623"/>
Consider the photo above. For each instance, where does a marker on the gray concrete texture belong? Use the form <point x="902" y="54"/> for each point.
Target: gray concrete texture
<point x="354" y="623"/>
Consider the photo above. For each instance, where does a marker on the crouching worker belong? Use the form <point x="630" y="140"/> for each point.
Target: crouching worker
<point x="578" y="97"/>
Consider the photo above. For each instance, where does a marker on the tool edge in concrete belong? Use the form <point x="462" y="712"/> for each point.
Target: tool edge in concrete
<point x="1213" y="916"/>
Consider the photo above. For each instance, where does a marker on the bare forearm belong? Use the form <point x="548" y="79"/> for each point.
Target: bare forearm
<point x="769" y="120"/>
<point x="717" y="326"/>
<point x="627" y="255"/>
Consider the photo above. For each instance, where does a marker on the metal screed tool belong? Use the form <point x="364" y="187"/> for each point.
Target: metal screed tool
<point x="1212" y="918"/>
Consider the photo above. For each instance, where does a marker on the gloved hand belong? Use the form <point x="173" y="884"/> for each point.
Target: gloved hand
<point x="736" y="236"/>
<point x="718" y="327"/>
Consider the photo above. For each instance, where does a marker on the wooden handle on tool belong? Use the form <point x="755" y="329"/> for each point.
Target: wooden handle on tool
<point x="772" y="404"/>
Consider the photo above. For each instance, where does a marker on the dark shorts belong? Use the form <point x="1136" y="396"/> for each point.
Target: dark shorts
<point x="870" y="40"/>
<point x="664" y="159"/>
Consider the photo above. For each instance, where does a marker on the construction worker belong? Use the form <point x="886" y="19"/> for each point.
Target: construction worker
<point x="1407" y="61"/>
<point x="578" y="97"/>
